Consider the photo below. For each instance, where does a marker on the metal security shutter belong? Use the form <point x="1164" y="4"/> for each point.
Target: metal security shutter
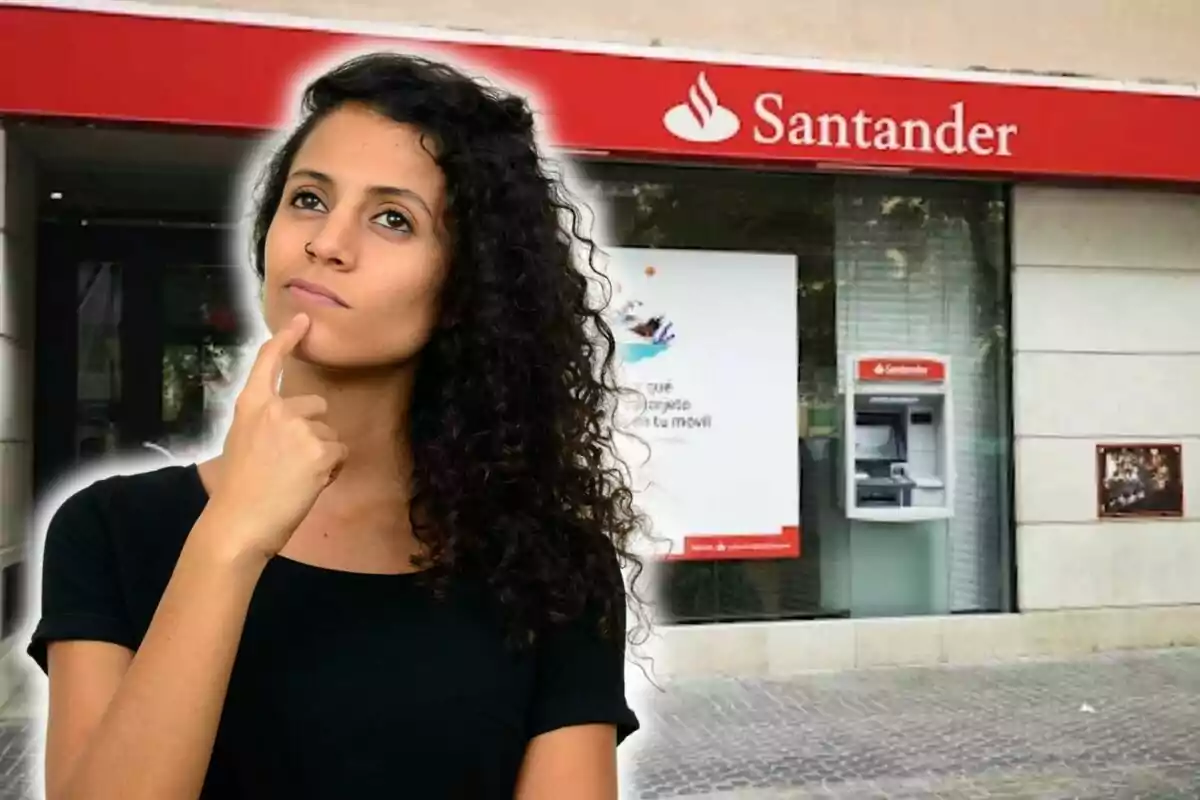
<point x="917" y="270"/>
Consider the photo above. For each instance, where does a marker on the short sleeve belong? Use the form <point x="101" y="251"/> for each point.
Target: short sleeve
<point x="581" y="680"/>
<point x="81" y="595"/>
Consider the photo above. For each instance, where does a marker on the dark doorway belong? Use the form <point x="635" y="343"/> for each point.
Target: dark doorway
<point x="138" y="319"/>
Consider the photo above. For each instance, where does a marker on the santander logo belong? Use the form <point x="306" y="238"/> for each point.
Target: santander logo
<point x="702" y="118"/>
<point x="901" y="369"/>
<point x="778" y="120"/>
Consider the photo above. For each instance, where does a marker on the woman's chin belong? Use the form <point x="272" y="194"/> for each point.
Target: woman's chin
<point x="325" y="347"/>
<point x="322" y="357"/>
<point x="326" y="356"/>
<point x="319" y="349"/>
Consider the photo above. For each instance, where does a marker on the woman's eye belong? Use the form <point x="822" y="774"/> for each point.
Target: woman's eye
<point x="394" y="220"/>
<point x="307" y="201"/>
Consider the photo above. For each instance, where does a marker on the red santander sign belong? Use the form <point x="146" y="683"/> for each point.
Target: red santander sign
<point x="702" y="118"/>
<point x="915" y="370"/>
<point x="238" y="75"/>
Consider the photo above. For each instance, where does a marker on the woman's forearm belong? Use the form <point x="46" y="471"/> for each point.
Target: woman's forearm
<point x="155" y="739"/>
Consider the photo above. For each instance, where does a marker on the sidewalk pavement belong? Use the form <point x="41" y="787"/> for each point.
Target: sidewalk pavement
<point x="1113" y="727"/>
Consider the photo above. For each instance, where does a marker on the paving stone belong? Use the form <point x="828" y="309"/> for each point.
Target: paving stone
<point x="1118" y="726"/>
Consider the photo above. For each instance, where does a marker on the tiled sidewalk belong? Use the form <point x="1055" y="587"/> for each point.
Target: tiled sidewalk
<point x="1104" y="727"/>
<point x="1110" y="727"/>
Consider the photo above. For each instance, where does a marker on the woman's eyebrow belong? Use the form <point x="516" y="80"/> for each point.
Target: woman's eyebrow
<point x="321" y="177"/>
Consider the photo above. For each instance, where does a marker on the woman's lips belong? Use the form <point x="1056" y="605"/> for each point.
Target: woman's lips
<point x="315" y="293"/>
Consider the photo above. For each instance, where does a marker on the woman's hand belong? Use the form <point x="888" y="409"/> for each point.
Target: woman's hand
<point x="278" y="457"/>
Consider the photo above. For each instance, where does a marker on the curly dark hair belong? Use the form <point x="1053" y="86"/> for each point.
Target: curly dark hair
<point x="516" y="475"/>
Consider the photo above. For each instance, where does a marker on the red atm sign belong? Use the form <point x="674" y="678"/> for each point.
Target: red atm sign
<point x="921" y="370"/>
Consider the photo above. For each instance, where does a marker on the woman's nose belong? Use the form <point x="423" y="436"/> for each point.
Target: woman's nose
<point x="334" y="244"/>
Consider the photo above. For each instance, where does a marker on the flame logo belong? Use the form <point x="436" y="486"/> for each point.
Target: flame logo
<point x="703" y="99"/>
<point x="702" y="118"/>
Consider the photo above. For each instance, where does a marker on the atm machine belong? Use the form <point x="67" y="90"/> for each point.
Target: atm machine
<point x="897" y="438"/>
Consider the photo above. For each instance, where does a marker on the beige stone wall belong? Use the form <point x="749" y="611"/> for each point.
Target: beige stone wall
<point x="1080" y="380"/>
<point x="1145" y="40"/>
<point x="18" y="199"/>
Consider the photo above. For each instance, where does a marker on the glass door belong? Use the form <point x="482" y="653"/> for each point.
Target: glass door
<point x="138" y="335"/>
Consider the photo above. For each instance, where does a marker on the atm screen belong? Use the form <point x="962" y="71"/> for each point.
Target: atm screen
<point x="877" y="437"/>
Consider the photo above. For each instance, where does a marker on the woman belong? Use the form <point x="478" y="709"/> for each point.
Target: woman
<point x="401" y="577"/>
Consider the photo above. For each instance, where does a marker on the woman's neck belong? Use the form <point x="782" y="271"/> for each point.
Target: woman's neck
<point x="361" y="522"/>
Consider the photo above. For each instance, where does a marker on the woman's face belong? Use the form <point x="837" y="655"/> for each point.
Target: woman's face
<point x="365" y="200"/>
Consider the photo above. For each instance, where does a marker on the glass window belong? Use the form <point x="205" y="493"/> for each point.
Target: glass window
<point x="883" y="264"/>
<point x="900" y="265"/>
<point x="98" y="299"/>
<point x="921" y="266"/>
<point x="205" y="346"/>
<point x="156" y="379"/>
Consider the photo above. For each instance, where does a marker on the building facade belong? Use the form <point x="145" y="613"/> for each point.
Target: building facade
<point x="987" y="450"/>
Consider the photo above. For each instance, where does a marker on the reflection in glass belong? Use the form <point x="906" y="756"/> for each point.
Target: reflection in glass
<point x="205" y="346"/>
<point x="197" y="390"/>
<point x="99" y="348"/>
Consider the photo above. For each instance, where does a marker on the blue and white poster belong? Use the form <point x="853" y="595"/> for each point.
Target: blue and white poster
<point x="709" y="341"/>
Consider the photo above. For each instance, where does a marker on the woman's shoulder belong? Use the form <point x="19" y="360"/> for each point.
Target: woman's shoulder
<point x="171" y="487"/>
<point x="132" y="510"/>
<point x="110" y="548"/>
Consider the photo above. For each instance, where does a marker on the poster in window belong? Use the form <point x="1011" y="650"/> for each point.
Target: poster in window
<point x="708" y="341"/>
<point x="1139" y="480"/>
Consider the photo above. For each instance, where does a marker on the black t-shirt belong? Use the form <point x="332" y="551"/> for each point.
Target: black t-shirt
<point x="346" y="685"/>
